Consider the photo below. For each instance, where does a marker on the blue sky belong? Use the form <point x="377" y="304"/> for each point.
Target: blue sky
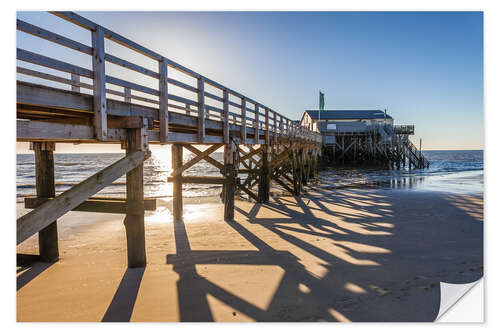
<point x="426" y="68"/>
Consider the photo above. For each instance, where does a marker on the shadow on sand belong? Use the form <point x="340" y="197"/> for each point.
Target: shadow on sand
<point x="385" y="261"/>
<point x="379" y="254"/>
<point x="28" y="268"/>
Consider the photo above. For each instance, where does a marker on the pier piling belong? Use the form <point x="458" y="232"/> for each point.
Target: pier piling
<point x="45" y="188"/>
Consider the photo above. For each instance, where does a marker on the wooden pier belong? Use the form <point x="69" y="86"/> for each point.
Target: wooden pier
<point x="384" y="146"/>
<point x="258" y="142"/>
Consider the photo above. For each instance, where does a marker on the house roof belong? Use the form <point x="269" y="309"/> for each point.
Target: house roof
<point x="348" y="114"/>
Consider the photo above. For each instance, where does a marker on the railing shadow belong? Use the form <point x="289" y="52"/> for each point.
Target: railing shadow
<point x="367" y="261"/>
<point x="122" y="305"/>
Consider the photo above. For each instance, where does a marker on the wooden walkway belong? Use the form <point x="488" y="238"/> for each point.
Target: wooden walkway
<point x="258" y="142"/>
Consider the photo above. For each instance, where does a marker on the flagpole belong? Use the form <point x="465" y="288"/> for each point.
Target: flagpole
<point x="319" y="110"/>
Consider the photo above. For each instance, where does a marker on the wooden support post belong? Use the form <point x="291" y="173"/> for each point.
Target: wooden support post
<point x="264" y="175"/>
<point x="295" y="176"/>
<point x="225" y="116"/>
<point x="76" y="78"/>
<point x="99" y="84"/>
<point x="128" y="93"/>
<point x="256" y="125"/>
<point x="45" y="188"/>
<point x="316" y="163"/>
<point x="201" y="109"/>
<point x="230" y="184"/>
<point x="134" y="220"/>
<point x="303" y="178"/>
<point x="51" y="210"/>
<point x="243" y="120"/>
<point x="163" y="110"/>
<point x="177" y="193"/>
<point x="355" y="149"/>
<point x="343" y="148"/>
<point x="311" y="164"/>
<point x="398" y="154"/>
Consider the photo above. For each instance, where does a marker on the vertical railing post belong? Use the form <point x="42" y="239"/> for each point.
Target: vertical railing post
<point x="163" y="114"/>
<point x="76" y="78"/>
<point x="243" y="120"/>
<point x="128" y="93"/>
<point x="266" y="125"/>
<point x="256" y="125"/>
<point x="99" y="84"/>
<point x="225" y="114"/>
<point x="201" y="109"/>
<point x="275" y="137"/>
<point x="281" y="125"/>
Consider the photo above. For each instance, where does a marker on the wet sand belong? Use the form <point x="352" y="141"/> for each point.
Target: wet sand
<point x="352" y="254"/>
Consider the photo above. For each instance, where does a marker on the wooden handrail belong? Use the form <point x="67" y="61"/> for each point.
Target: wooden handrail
<point x="273" y="122"/>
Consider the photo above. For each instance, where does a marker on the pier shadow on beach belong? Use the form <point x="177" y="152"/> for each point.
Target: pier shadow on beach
<point x="29" y="267"/>
<point x="383" y="260"/>
<point x="353" y="254"/>
<point x="122" y="305"/>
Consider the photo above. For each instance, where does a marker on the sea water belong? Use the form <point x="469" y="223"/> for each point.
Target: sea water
<point x="457" y="171"/>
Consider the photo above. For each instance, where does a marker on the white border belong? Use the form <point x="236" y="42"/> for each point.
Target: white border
<point x="492" y="122"/>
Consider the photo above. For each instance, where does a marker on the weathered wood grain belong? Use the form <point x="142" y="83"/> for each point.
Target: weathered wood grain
<point x="50" y="211"/>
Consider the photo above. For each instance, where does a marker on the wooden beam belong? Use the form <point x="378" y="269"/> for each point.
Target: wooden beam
<point x="247" y="191"/>
<point x="99" y="84"/>
<point x="195" y="160"/>
<point x="198" y="180"/>
<point x="53" y="37"/>
<point x="207" y="158"/>
<point x="50" y="211"/>
<point x="44" y="61"/>
<point x="163" y="111"/>
<point x="282" y="184"/>
<point x="97" y="205"/>
<point x="251" y="153"/>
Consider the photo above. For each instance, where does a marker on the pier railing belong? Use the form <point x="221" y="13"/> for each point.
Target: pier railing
<point x="404" y="129"/>
<point x="197" y="95"/>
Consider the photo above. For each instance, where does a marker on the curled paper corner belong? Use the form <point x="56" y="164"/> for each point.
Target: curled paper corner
<point x="451" y="293"/>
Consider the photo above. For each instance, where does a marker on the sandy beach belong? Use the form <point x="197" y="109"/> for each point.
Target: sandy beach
<point x="353" y="254"/>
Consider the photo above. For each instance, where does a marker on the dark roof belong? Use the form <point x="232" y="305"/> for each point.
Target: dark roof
<point x="348" y="114"/>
